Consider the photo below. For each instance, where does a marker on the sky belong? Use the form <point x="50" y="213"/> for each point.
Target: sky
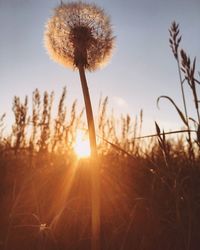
<point x="141" y="69"/>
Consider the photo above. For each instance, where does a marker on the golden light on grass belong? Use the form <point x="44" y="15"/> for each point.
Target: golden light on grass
<point x="82" y="145"/>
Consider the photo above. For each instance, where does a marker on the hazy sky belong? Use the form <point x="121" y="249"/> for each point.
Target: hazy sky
<point x="141" y="69"/>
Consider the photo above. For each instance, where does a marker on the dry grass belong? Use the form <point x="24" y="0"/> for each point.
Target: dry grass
<point x="150" y="196"/>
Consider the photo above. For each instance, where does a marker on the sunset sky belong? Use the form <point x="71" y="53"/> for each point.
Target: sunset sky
<point x="142" y="67"/>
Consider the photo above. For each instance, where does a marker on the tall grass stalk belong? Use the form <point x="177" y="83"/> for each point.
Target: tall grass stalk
<point x="175" y="40"/>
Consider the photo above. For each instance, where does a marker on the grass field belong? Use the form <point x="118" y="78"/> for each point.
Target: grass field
<point x="149" y="187"/>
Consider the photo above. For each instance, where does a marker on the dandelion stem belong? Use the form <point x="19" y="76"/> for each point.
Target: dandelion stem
<point x="89" y="113"/>
<point x="95" y="180"/>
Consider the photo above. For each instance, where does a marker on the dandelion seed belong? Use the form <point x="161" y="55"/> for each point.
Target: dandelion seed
<point x="43" y="227"/>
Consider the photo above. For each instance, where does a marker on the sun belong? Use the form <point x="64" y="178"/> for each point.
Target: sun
<point x="82" y="145"/>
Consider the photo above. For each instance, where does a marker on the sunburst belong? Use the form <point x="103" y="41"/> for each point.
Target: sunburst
<point x="82" y="145"/>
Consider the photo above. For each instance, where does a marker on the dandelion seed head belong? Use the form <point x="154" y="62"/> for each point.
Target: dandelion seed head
<point x="79" y="34"/>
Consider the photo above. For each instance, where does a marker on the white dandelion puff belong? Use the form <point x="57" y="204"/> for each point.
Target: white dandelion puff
<point x="79" y="33"/>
